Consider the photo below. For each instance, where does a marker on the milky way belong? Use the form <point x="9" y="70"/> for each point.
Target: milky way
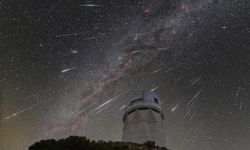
<point x="69" y="68"/>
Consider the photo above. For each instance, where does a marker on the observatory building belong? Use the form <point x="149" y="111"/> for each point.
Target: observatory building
<point x="143" y="119"/>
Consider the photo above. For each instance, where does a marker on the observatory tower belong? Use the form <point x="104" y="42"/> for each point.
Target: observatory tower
<point x="143" y="119"/>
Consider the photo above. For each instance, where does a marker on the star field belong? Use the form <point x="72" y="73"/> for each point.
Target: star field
<point x="70" y="67"/>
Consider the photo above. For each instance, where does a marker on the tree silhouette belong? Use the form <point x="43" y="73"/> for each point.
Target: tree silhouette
<point x="150" y="144"/>
<point x="82" y="143"/>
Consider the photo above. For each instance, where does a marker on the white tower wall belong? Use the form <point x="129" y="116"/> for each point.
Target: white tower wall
<point x="144" y="120"/>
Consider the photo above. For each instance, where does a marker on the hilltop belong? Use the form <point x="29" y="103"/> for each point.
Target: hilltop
<point x="82" y="143"/>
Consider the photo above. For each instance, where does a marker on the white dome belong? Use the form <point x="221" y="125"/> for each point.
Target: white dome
<point x="143" y="119"/>
<point x="146" y="96"/>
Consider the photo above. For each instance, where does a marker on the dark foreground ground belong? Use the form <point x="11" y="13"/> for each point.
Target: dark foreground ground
<point x="82" y="143"/>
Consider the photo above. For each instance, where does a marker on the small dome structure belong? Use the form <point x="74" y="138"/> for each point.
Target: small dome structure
<point x="145" y="96"/>
<point x="143" y="119"/>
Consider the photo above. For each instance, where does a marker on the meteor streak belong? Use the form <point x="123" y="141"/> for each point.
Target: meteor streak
<point x="68" y="69"/>
<point x="19" y="112"/>
<point x="155" y="88"/>
<point x="107" y="102"/>
<point x="89" y="5"/>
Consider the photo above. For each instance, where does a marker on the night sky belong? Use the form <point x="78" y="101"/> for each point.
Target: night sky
<point x="69" y="67"/>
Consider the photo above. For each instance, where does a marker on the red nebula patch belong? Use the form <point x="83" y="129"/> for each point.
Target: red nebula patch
<point x="184" y="8"/>
<point x="73" y="127"/>
<point x="126" y="63"/>
<point x="147" y="10"/>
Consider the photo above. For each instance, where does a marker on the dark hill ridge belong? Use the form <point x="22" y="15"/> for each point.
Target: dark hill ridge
<point x="82" y="143"/>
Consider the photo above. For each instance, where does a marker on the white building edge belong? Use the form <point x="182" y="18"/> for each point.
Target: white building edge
<point x="143" y="119"/>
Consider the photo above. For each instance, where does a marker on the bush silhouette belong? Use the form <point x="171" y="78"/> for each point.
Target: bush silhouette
<point x="82" y="143"/>
<point x="150" y="144"/>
